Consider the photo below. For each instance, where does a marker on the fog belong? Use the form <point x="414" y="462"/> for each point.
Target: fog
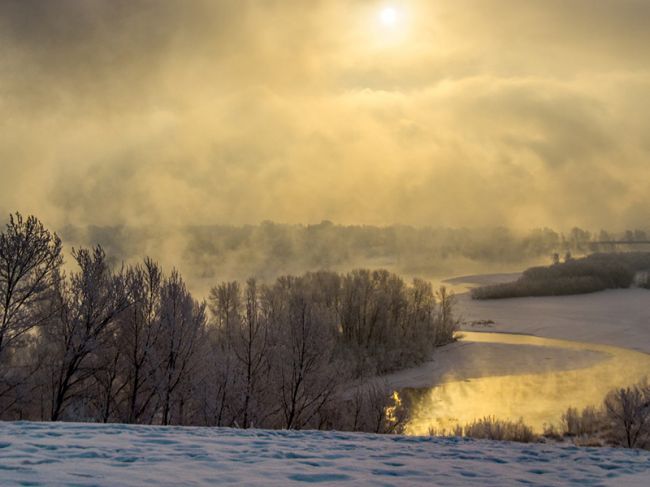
<point x="160" y="114"/>
<point x="207" y="254"/>
<point x="539" y="398"/>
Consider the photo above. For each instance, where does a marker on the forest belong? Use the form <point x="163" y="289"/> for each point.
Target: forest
<point x="107" y="342"/>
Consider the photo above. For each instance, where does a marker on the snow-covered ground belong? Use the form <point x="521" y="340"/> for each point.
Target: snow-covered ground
<point x="464" y="282"/>
<point x="617" y="317"/>
<point x="56" y="454"/>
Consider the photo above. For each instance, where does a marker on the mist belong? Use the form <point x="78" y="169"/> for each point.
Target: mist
<point x="479" y="113"/>
<point x="207" y="254"/>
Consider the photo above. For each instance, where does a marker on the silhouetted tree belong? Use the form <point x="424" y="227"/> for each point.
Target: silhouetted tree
<point x="182" y="327"/>
<point x="140" y="331"/>
<point x="30" y="259"/>
<point x="628" y="410"/>
<point x="88" y="306"/>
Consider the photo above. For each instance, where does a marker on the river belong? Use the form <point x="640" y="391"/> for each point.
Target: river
<point x="537" y="398"/>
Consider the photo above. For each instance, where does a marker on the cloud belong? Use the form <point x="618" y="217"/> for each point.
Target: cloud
<point x="480" y="112"/>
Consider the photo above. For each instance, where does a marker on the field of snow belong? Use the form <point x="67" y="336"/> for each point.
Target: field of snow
<point x="57" y="454"/>
<point x="617" y="317"/>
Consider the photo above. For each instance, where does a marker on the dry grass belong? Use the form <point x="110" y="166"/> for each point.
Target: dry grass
<point x="491" y="428"/>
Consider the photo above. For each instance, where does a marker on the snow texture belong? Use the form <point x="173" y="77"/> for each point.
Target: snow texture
<point x="617" y="317"/>
<point x="74" y="454"/>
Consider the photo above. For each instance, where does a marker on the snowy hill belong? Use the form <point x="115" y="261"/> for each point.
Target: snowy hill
<point x="119" y="455"/>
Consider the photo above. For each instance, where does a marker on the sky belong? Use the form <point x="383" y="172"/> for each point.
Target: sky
<point x="439" y="112"/>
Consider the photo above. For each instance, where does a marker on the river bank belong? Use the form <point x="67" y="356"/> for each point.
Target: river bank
<point x="530" y="358"/>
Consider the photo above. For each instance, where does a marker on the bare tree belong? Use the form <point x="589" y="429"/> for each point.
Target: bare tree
<point x="218" y="379"/>
<point x="249" y="342"/>
<point x="139" y="335"/>
<point x="226" y="305"/>
<point x="182" y="326"/>
<point x="30" y="259"/>
<point x="447" y="322"/>
<point x="106" y="373"/>
<point x="133" y="345"/>
<point x="220" y="403"/>
<point x="89" y="305"/>
<point x="303" y="354"/>
<point x="628" y="411"/>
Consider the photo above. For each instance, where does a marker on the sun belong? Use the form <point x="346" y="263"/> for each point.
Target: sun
<point x="389" y="25"/>
<point x="388" y="16"/>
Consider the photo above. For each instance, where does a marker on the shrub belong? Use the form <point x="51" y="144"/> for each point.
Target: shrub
<point x="491" y="428"/>
<point x="586" y="423"/>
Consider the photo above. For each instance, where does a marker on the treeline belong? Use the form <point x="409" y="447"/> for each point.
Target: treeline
<point x="271" y="249"/>
<point x="595" y="272"/>
<point x="131" y="344"/>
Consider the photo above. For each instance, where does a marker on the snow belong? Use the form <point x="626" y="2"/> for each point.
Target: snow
<point x="617" y="317"/>
<point x="56" y="454"/>
<point x="483" y="279"/>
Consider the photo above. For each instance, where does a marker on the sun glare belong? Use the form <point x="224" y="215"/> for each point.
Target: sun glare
<point x="388" y="16"/>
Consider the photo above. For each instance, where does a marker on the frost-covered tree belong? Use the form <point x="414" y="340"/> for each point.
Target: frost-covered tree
<point x="88" y="305"/>
<point x="30" y="259"/>
<point x="134" y="345"/>
<point x="304" y="370"/>
<point x="139" y="332"/>
<point x="250" y="342"/>
<point x="182" y="328"/>
<point x="627" y="411"/>
<point x="222" y="378"/>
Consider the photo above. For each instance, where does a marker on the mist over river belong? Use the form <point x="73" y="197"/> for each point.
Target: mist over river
<point x="538" y="398"/>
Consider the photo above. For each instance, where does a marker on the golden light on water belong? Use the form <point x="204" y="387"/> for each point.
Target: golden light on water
<point x="391" y="411"/>
<point x="539" y="398"/>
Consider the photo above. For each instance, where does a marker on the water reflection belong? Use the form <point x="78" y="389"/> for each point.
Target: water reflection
<point x="538" y="398"/>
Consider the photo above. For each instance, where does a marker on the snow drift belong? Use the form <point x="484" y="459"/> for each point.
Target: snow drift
<point x="119" y="455"/>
